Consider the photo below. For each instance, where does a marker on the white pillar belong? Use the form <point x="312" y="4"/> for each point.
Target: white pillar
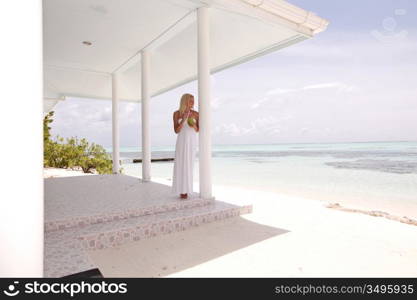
<point x="146" y="144"/>
<point x="203" y="22"/>
<point x="115" y="122"/>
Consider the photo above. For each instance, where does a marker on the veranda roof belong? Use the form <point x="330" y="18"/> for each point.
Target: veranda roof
<point x="85" y="41"/>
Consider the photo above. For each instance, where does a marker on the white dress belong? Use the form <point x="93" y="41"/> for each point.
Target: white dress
<point x="185" y="152"/>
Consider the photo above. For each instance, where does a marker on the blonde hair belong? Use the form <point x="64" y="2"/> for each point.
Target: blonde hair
<point x="184" y="100"/>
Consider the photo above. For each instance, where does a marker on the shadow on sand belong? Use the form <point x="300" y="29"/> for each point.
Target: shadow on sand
<point x="167" y="254"/>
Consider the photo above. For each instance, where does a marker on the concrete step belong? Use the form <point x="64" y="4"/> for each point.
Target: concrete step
<point x="80" y="221"/>
<point x="115" y="233"/>
<point x="65" y="249"/>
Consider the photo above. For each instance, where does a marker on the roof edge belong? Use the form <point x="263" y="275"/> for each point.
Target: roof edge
<point x="275" y="11"/>
<point x="292" y="13"/>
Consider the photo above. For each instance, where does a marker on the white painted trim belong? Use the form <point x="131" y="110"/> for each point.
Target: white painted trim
<point x="274" y="11"/>
<point x="55" y="99"/>
<point x="292" y="13"/>
<point x="78" y="69"/>
<point x="270" y="11"/>
<point x="86" y="96"/>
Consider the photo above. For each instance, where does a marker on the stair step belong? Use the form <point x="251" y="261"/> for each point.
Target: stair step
<point x="65" y="249"/>
<point x="112" y="234"/>
<point x="124" y="214"/>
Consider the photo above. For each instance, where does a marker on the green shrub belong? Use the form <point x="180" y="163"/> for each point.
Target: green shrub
<point x="74" y="152"/>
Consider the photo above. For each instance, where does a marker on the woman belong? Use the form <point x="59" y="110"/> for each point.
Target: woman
<point x="186" y="125"/>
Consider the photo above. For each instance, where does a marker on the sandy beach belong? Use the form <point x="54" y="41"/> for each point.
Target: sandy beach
<point x="57" y="172"/>
<point x="285" y="236"/>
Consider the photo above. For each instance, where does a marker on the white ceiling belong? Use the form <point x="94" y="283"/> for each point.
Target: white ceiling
<point x="119" y="29"/>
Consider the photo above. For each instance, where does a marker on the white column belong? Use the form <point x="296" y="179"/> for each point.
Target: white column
<point x="203" y="22"/>
<point x="115" y="122"/>
<point x="146" y="143"/>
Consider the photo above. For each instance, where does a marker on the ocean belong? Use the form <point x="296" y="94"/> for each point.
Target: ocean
<point x="373" y="176"/>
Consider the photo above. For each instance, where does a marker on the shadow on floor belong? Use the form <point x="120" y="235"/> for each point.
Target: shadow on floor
<point x="93" y="273"/>
<point x="167" y="254"/>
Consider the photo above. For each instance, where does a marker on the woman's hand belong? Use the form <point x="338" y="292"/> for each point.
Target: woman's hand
<point x="185" y="116"/>
<point x="177" y="123"/>
<point x="195" y="124"/>
<point x="180" y="124"/>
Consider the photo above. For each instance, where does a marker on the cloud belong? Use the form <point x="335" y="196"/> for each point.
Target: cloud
<point x="340" y="86"/>
<point x="229" y="129"/>
<point x="271" y="94"/>
<point x="279" y="91"/>
<point x="367" y="46"/>
<point x="304" y="131"/>
<point x="129" y="113"/>
<point x="321" y="86"/>
<point x="257" y="103"/>
<point x="91" y="119"/>
<point x="215" y="103"/>
<point x="269" y="124"/>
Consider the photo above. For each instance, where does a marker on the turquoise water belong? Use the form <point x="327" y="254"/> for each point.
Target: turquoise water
<point x="377" y="176"/>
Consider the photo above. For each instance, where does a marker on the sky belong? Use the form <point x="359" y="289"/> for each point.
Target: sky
<point x="355" y="82"/>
